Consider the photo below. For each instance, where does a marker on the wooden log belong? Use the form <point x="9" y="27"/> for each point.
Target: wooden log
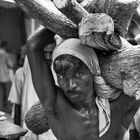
<point x="92" y="27"/>
<point x="8" y="130"/>
<point x="97" y="31"/>
<point x="121" y="69"/>
<point x="121" y="11"/>
<point x="35" y="115"/>
<point x="49" y="16"/>
<point x="72" y="9"/>
<point x="36" y="119"/>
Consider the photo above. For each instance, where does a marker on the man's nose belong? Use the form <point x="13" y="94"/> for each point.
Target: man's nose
<point x="48" y="56"/>
<point x="71" y="84"/>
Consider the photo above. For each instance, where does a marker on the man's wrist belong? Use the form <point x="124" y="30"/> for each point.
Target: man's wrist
<point x="40" y="38"/>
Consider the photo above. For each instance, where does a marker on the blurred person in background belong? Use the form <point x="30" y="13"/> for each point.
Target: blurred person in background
<point x="48" y="52"/>
<point x="6" y="64"/>
<point x="23" y="96"/>
<point x="22" y="54"/>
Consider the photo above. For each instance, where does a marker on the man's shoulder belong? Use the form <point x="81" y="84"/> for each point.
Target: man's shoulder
<point x="125" y="108"/>
<point x="2" y="51"/>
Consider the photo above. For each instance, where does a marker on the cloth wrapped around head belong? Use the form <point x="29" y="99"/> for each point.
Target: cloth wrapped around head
<point x="75" y="48"/>
<point x="87" y="55"/>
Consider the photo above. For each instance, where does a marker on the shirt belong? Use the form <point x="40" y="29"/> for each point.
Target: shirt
<point x="5" y="64"/>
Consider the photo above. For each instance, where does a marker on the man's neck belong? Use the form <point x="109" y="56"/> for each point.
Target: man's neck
<point x="88" y="106"/>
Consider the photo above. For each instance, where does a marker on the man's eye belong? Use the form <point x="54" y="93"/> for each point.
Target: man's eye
<point x="60" y="76"/>
<point x="78" y="74"/>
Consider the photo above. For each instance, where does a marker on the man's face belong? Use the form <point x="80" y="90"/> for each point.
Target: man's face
<point x="48" y="52"/>
<point x="77" y="84"/>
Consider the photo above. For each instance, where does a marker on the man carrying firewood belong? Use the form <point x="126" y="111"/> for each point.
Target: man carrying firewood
<point x="94" y="99"/>
<point x="82" y="106"/>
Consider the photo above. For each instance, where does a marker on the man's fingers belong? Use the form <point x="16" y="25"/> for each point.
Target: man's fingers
<point x="2" y="113"/>
<point x="2" y="118"/>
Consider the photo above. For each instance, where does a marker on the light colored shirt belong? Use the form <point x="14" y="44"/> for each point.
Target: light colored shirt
<point x="23" y="93"/>
<point x="5" y="65"/>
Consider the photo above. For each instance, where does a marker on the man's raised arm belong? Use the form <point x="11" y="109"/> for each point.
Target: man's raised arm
<point x="41" y="73"/>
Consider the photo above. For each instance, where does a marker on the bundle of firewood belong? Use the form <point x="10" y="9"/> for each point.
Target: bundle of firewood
<point x="99" y="24"/>
<point x="63" y="16"/>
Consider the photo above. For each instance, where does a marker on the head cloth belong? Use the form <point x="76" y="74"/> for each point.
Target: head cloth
<point x="75" y="48"/>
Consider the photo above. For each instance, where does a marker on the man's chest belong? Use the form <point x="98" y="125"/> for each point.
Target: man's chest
<point x="74" y="124"/>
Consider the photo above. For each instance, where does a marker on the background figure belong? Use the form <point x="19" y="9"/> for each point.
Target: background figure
<point x="23" y="96"/>
<point x="23" y="52"/>
<point x="6" y="65"/>
<point x="48" y="52"/>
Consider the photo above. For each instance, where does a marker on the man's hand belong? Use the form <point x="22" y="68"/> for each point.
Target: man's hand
<point x="40" y="38"/>
<point x="2" y="117"/>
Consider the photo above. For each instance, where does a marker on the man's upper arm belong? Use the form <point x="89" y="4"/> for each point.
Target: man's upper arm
<point x="130" y="108"/>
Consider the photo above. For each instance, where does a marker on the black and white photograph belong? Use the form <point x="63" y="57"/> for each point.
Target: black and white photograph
<point x="69" y="69"/>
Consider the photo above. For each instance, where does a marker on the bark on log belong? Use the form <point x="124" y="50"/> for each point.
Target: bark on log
<point x="72" y="9"/>
<point x="121" y="69"/>
<point x="49" y="16"/>
<point x="90" y="31"/>
<point x="97" y="31"/>
<point x="36" y="119"/>
<point x="121" y="11"/>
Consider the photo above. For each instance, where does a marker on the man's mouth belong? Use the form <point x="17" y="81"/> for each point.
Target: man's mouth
<point x="73" y="94"/>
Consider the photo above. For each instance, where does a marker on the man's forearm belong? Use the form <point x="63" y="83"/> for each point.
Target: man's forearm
<point x="41" y="73"/>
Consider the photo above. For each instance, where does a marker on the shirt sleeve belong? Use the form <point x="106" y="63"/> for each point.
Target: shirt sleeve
<point x="10" y="61"/>
<point x="15" y="94"/>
